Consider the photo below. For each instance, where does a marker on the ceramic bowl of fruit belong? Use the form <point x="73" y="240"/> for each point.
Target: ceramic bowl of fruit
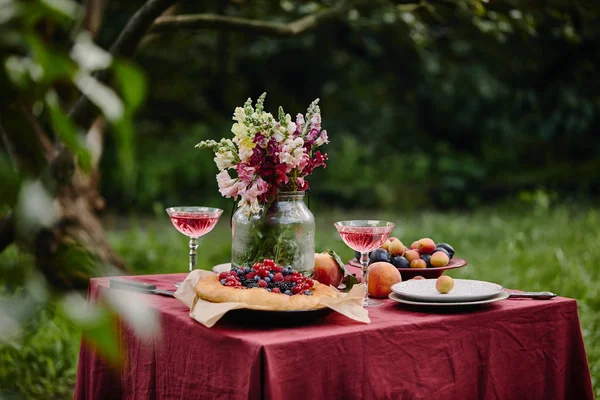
<point x="424" y="258"/>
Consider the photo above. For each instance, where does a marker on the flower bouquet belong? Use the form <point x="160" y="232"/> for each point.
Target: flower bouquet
<point x="264" y="166"/>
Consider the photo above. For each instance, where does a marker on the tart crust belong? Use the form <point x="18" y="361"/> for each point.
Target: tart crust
<point x="211" y="289"/>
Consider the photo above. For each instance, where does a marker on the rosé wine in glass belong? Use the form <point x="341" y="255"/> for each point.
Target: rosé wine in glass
<point x="365" y="236"/>
<point x="194" y="222"/>
<point x="193" y="225"/>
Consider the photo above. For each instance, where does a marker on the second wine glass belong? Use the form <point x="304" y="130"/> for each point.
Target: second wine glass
<point x="365" y="236"/>
<point x="194" y="222"/>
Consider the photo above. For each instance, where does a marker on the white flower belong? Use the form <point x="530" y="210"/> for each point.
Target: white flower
<point x="245" y="153"/>
<point x="279" y="137"/>
<point x="224" y="159"/>
<point x="239" y="115"/>
<point x="239" y="130"/>
<point x="292" y="152"/>
<point x="249" y="207"/>
<point x="291" y="127"/>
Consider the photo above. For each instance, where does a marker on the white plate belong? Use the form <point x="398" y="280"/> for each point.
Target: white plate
<point x="500" y="296"/>
<point x="217" y="269"/>
<point x="464" y="290"/>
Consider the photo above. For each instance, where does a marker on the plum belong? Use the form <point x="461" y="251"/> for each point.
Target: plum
<point x="357" y="255"/>
<point x="400" y="262"/>
<point x="380" y="255"/>
<point x="427" y="259"/>
<point x="446" y="247"/>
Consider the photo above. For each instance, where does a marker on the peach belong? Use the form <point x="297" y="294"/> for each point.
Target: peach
<point x="412" y="255"/>
<point x="426" y="246"/>
<point x="396" y="248"/>
<point x="418" y="263"/>
<point x="444" y="284"/>
<point x="393" y="238"/>
<point x="414" y="245"/>
<point x="386" y="245"/>
<point x="439" y="259"/>
<point x="327" y="271"/>
<point x="382" y="276"/>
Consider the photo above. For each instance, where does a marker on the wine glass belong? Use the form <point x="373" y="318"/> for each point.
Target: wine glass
<point x="194" y="222"/>
<point x="365" y="236"/>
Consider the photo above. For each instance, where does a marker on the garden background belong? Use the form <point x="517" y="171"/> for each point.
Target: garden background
<point x="470" y="122"/>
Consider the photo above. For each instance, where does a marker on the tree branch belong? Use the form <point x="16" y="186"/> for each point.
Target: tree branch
<point x="83" y="111"/>
<point x="195" y="22"/>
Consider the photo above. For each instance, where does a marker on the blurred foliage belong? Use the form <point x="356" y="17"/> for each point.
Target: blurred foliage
<point x="444" y="103"/>
<point x="46" y="62"/>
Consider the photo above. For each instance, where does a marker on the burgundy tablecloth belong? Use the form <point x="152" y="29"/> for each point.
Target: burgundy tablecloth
<point x="513" y="349"/>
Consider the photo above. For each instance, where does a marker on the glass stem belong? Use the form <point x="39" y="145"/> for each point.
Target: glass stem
<point x="364" y="261"/>
<point x="193" y="253"/>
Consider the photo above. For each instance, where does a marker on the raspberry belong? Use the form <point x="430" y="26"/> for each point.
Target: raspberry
<point x="278" y="277"/>
<point x="233" y="273"/>
<point x="250" y="275"/>
<point x="287" y="278"/>
<point x="264" y="273"/>
<point x="296" y="289"/>
<point x="223" y="275"/>
<point x="262" y="284"/>
<point x="256" y="266"/>
<point x="295" y="273"/>
<point x="276" y="290"/>
<point x="269" y="263"/>
<point x="231" y="278"/>
<point x="305" y="286"/>
<point x="310" y="282"/>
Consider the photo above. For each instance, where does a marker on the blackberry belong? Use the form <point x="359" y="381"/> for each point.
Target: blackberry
<point x="284" y="285"/>
<point x="251" y="284"/>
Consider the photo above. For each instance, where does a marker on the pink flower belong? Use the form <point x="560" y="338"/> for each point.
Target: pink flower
<point x="228" y="186"/>
<point x="322" y="139"/>
<point x="260" y="140"/>
<point x="315" y="122"/>
<point x="299" y="123"/>
<point x="301" y="184"/>
<point x="245" y="172"/>
<point x="281" y="171"/>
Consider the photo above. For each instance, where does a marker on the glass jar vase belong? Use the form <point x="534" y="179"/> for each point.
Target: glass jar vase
<point x="284" y="231"/>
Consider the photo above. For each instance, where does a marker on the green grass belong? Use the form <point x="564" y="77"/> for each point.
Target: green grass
<point x="529" y="249"/>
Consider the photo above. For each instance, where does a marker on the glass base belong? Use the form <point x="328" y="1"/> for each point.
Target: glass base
<point x="372" y="303"/>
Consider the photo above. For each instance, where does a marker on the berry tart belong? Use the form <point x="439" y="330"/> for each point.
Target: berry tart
<point x="265" y="286"/>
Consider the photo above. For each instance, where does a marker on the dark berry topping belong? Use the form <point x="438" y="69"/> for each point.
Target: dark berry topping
<point x="267" y="275"/>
